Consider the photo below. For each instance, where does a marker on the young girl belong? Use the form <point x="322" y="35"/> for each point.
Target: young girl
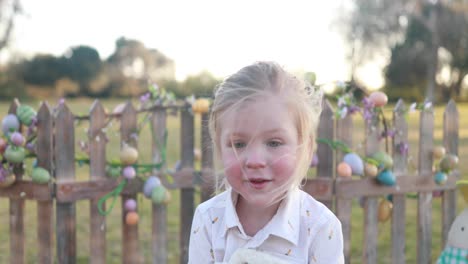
<point x="263" y="124"/>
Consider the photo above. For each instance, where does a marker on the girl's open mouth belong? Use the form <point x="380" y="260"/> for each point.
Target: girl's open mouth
<point x="258" y="183"/>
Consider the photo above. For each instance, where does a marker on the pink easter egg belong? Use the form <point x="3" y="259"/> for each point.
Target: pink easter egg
<point x="129" y="172"/>
<point x="378" y="98"/>
<point x="130" y="205"/>
<point x="17" y="139"/>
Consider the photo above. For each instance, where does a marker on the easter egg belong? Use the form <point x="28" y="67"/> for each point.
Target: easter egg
<point x="25" y="114"/>
<point x="10" y="123"/>
<point x="448" y="162"/>
<point x="118" y="109"/>
<point x="14" y="154"/>
<point x="3" y="145"/>
<point x="385" y="210"/>
<point x="130" y="205"/>
<point x="167" y="198"/>
<point x="438" y="152"/>
<point x="386" y="177"/>
<point x="40" y="175"/>
<point x="129" y="172"/>
<point x="150" y="184"/>
<point x="128" y="155"/>
<point x="314" y="161"/>
<point x="370" y="170"/>
<point x="113" y="171"/>
<point x="197" y="154"/>
<point x="378" y="98"/>
<point x="355" y="162"/>
<point x="344" y="170"/>
<point x="7" y="181"/>
<point x="17" y="139"/>
<point x="201" y="105"/>
<point x="158" y="195"/>
<point x="131" y="218"/>
<point x="440" y="178"/>
<point x="384" y="160"/>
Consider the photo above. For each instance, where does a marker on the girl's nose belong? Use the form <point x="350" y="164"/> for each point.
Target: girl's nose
<point x="254" y="160"/>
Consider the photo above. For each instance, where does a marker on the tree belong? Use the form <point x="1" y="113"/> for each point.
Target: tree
<point x="8" y="11"/>
<point x="84" y="65"/>
<point x="410" y="29"/>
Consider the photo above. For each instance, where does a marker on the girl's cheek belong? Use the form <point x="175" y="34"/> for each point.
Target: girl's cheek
<point x="285" y="165"/>
<point x="232" y="165"/>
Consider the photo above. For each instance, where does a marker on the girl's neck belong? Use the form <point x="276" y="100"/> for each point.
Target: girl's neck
<point x="253" y="218"/>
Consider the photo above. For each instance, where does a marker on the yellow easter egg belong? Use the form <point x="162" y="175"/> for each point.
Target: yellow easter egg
<point x="370" y="170"/>
<point x="385" y="210"/>
<point x="201" y="105"/>
<point x="438" y="152"/>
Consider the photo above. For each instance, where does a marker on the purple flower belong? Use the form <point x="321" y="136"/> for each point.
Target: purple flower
<point x="403" y="148"/>
<point x="145" y="97"/>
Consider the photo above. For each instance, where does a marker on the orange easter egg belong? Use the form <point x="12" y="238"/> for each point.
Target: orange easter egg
<point x="131" y="218"/>
<point x="378" y="98"/>
<point x="344" y="170"/>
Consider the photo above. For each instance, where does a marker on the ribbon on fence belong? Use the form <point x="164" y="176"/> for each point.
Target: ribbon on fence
<point x="113" y="194"/>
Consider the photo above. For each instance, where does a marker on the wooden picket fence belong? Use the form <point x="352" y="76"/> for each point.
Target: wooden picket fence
<point x="56" y="152"/>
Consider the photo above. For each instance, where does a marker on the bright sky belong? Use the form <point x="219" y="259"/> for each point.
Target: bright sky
<point x="219" y="36"/>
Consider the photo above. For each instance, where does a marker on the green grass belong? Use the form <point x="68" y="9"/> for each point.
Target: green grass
<point x="114" y="236"/>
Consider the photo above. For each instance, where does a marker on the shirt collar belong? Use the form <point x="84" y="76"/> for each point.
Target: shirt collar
<point x="284" y="224"/>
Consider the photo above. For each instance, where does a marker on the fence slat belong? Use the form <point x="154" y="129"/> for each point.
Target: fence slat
<point x="97" y="169"/>
<point x="186" y="194"/>
<point x="207" y="185"/>
<point x="400" y="167"/>
<point x="159" y="211"/>
<point x="44" y="150"/>
<point x="16" y="212"/>
<point x="128" y="129"/>
<point x="344" y="133"/>
<point x="369" y="253"/>
<point x="449" y="198"/>
<point x="64" y="154"/>
<point x="426" y="134"/>
<point x="326" y="130"/>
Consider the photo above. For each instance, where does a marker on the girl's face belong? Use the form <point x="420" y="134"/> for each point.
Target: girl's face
<point x="258" y="145"/>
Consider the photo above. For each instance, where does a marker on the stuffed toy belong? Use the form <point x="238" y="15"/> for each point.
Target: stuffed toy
<point x="252" y="256"/>
<point x="456" y="250"/>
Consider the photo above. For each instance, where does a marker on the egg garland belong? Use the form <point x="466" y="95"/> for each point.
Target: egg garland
<point x="446" y="162"/>
<point x="130" y="207"/>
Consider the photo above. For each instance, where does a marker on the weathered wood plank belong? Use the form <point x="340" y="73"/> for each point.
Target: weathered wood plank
<point x="344" y="133"/>
<point x="16" y="211"/>
<point x="25" y="189"/>
<point x="208" y="183"/>
<point x="369" y="253"/>
<point x="44" y="151"/>
<point x="128" y="133"/>
<point x="426" y="135"/>
<point x="159" y="211"/>
<point x="64" y="153"/>
<point x="97" y="168"/>
<point x="326" y="130"/>
<point x="400" y="167"/>
<point x="186" y="194"/>
<point x="451" y="140"/>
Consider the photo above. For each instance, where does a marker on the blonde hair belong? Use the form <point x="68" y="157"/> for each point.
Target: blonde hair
<point x="270" y="79"/>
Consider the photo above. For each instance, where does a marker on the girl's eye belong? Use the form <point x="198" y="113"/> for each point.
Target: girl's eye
<point x="238" y="145"/>
<point x="274" y="143"/>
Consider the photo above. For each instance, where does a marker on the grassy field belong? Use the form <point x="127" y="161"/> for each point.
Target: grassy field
<point x="81" y="106"/>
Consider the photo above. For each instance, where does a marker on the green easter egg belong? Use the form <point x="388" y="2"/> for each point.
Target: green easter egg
<point x="14" y="154"/>
<point x="40" y="175"/>
<point x="158" y="195"/>
<point x="25" y="114"/>
<point x="384" y="160"/>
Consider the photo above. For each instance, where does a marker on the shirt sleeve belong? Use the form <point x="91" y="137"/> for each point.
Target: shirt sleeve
<point x="327" y="246"/>
<point x="200" y="246"/>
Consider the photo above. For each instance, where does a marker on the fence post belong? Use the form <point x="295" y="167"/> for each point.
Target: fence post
<point x="326" y="130"/>
<point x="344" y="133"/>
<point x="44" y="151"/>
<point x="159" y="211"/>
<point x="128" y="135"/>
<point x="400" y="168"/>
<point x="449" y="198"/>
<point x="16" y="212"/>
<point x="186" y="194"/>
<point x="64" y="155"/>
<point x="426" y="135"/>
<point x="97" y="169"/>
<point x="369" y="252"/>
<point x="208" y="173"/>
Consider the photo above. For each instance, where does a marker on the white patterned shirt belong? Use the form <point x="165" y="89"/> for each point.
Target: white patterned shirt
<point x="303" y="230"/>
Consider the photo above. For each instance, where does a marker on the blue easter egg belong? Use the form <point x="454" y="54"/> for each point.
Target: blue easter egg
<point x="355" y="162"/>
<point x="440" y="178"/>
<point x="10" y="123"/>
<point x="150" y="184"/>
<point x="386" y="177"/>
